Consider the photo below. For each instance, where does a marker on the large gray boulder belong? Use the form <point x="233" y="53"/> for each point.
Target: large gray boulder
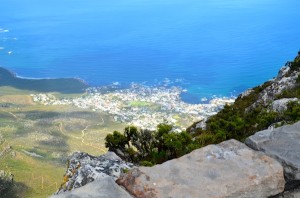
<point x="101" y="188"/>
<point x="229" y="169"/>
<point x="283" y="144"/>
<point x="84" y="168"/>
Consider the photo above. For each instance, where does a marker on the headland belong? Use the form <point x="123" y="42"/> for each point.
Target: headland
<point x="62" y="85"/>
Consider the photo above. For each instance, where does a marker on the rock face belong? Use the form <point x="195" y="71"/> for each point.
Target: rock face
<point x="101" y="188"/>
<point x="229" y="169"/>
<point x="283" y="144"/>
<point x="277" y="86"/>
<point x="84" y="168"/>
<point x="281" y="105"/>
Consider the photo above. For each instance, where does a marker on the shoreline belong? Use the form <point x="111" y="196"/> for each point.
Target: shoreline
<point x="15" y="75"/>
<point x="115" y="85"/>
<point x="139" y="105"/>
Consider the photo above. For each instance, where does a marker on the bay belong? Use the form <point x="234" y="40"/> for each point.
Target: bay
<point x="209" y="47"/>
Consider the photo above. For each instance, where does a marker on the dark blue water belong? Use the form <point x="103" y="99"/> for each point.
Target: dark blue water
<point x="215" y="47"/>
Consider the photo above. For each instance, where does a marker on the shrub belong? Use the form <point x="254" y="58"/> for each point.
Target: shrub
<point x="150" y="146"/>
<point x="293" y="111"/>
<point x="146" y="163"/>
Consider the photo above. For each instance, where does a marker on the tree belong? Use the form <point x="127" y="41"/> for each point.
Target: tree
<point x="150" y="147"/>
<point x="116" y="142"/>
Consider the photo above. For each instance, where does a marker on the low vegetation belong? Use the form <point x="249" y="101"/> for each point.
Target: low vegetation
<point x="147" y="148"/>
<point x="150" y="147"/>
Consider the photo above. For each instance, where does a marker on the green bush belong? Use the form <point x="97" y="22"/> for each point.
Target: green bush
<point x="146" y="163"/>
<point x="293" y="112"/>
<point x="116" y="141"/>
<point x="150" y="146"/>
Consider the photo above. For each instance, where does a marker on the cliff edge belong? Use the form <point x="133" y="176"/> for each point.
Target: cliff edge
<point x="266" y="117"/>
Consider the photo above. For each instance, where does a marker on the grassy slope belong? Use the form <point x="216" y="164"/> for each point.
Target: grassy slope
<point x="52" y="132"/>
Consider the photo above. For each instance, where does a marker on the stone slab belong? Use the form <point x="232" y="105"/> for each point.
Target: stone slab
<point x="283" y="144"/>
<point x="229" y="169"/>
<point x="102" y="188"/>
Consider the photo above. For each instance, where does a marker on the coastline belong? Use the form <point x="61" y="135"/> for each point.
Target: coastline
<point x="139" y="105"/>
<point x="15" y="75"/>
<point x="62" y="85"/>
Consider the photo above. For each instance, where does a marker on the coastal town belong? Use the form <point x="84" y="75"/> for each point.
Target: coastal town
<point x="142" y="106"/>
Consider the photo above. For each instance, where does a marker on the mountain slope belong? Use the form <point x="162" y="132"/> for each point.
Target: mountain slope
<point x="274" y="103"/>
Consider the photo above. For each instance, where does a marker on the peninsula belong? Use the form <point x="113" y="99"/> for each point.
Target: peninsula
<point x="62" y="85"/>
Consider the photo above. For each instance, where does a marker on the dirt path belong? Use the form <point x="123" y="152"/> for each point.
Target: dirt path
<point x="10" y="114"/>
<point x="83" y="133"/>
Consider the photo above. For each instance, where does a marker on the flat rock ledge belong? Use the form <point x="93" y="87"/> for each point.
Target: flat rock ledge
<point x="229" y="169"/>
<point x="283" y="144"/>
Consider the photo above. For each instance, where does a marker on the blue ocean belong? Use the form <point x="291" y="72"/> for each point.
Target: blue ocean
<point x="209" y="47"/>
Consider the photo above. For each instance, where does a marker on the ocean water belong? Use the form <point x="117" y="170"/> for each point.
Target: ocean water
<point x="209" y="47"/>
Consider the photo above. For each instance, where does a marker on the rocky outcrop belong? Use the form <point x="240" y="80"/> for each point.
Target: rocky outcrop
<point x="281" y="104"/>
<point x="283" y="144"/>
<point x="84" y="168"/>
<point x="273" y="95"/>
<point x="229" y="169"/>
<point x="101" y="188"/>
<point x="286" y="79"/>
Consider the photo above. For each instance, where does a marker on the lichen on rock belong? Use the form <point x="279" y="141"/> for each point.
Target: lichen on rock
<point x="83" y="168"/>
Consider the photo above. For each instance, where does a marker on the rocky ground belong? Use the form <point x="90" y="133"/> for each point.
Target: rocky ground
<point x="265" y="166"/>
<point x="84" y="168"/>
